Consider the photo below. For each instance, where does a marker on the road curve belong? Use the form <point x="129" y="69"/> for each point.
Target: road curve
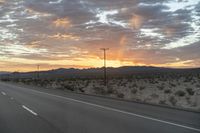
<point x="34" y="110"/>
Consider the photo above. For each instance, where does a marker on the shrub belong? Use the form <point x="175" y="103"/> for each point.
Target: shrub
<point x="172" y="85"/>
<point x="160" y="87"/>
<point x="172" y="100"/>
<point x="69" y="87"/>
<point x="154" y="95"/>
<point x="110" y="90"/>
<point x="134" y="85"/>
<point x="162" y="102"/>
<point x="142" y="87"/>
<point x="120" y="95"/>
<point x="134" y="91"/>
<point x="198" y="85"/>
<point x="167" y="91"/>
<point x="81" y="90"/>
<point x="5" y="79"/>
<point x="100" y="90"/>
<point x="180" y="93"/>
<point x="190" y="91"/>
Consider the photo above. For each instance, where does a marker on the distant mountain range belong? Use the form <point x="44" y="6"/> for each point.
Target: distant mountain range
<point x="98" y="72"/>
<point x="2" y="73"/>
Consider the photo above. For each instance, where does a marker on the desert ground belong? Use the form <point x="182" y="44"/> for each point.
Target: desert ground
<point x="174" y="91"/>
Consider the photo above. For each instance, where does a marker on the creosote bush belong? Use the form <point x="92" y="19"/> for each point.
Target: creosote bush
<point x="172" y="100"/>
<point x="142" y="87"/>
<point x="190" y="91"/>
<point x="120" y="95"/>
<point x="134" y="91"/>
<point x="160" y="87"/>
<point x="180" y="93"/>
<point x="167" y="91"/>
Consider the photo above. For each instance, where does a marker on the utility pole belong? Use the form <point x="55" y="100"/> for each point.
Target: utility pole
<point x="105" y="72"/>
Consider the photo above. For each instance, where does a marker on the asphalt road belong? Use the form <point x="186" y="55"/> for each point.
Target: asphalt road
<point x="34" y="110"/>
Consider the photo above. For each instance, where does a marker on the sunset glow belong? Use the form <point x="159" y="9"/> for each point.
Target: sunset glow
<point x="70" y="33"/>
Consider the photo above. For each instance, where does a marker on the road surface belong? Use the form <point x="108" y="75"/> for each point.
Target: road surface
<point x="33" y="110"/>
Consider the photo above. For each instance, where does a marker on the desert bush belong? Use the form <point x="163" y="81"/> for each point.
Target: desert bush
<point x="152" y="81"/>
<point x="160" y="87"/>
<point x="120" y="95"/>
<point x="142" y="87"/>
<point x="172" y="100"/>
<point x="162" y="102"/>
<point x="180" y="93"/>
<point x="190" y="91"/>
<point x="5" y="79"/>
<point x="87" y="83"/>
<point x="198" y="85"/>
<point x="100" y="90"/>
<point x="134" y="85"/>
<point x="134" y="91"/>
<point x="81" y="90"/>
<point x="188" y="79"/>
<point x="69" y="87"/>
<point x="188" y="100"/>
<point x="172" y="85"/>
<point x="110" y="90"/>
<point x="154" y="95"/>
<point x="167" y="91"/>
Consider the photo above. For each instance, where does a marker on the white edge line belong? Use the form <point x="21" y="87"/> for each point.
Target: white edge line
<point x="31" y="111"/>
<point x="120" y="111"/>
<point x="3" y="93"/>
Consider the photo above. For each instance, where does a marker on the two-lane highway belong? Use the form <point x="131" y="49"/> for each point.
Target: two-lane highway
<point x="28" y="110"/>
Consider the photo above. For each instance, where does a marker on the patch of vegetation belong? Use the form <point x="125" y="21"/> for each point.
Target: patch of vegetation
<point x="142" y="87"/>
<point x="180" y="93"/>
<point x="198" y="85"/>
<point x="69" y="87"/>
<point x="110" y="90"/>
<point x="154" y="95"/>
<point x="160" y="87"/>
<point x="134" y="85"/>
<point x="190" y="91"/>
<point x="100" y="90"/>
<point x="167" y="91"/>
<point x="81" y="90"/>
<point x="120" y="95"/>
<point x="172" y="100"/>
<point x="134" y="91"/>
<point x="5" y="79"/>
<point x="172" y="85"/>
<point x="162" y="102"/>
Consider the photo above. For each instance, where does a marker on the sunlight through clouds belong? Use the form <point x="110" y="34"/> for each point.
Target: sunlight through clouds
<point x="71" y="32"/>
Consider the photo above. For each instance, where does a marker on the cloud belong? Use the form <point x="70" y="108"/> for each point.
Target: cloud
<point x="60" y="36"/>
<point x="133" y="30"/>
<point x="62" y="22"/>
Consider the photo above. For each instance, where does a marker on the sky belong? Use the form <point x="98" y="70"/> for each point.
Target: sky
<point x="70" y="33"/>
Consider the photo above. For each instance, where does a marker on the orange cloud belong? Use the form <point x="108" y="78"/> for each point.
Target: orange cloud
<point x="136" y="21"/>
<point x="33" y="12"/>
<point x="63" y="22"/>
<point x="33" y="44"/>
<point x="64" y="37"/>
